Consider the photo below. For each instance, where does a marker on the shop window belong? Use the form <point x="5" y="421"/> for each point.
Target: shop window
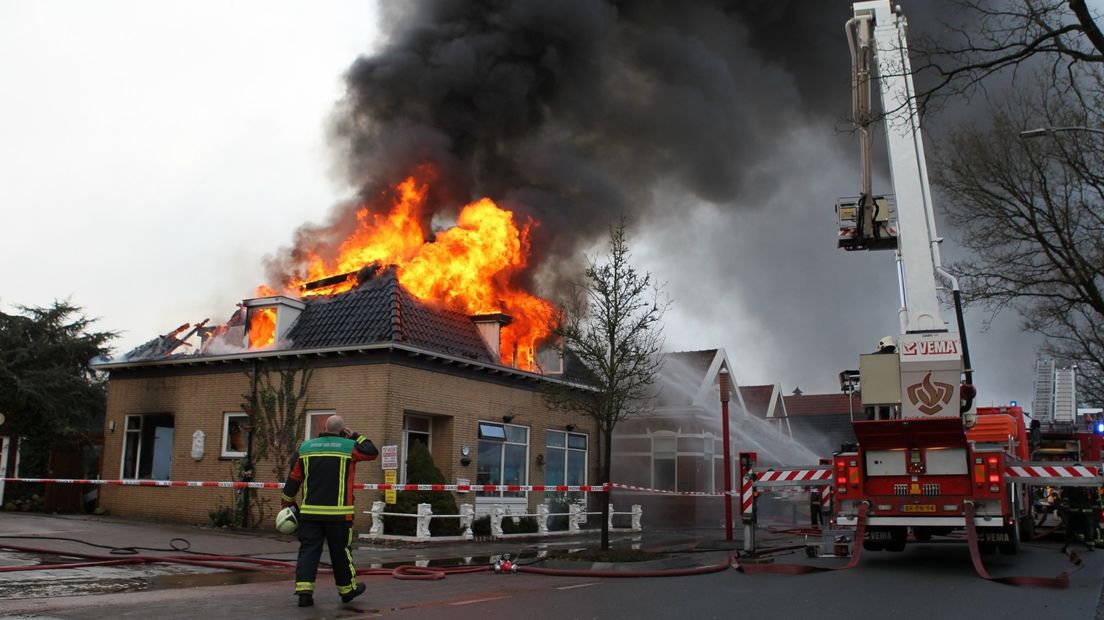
<point x="707" y="467"/>
<point x="235" y="437"/>
<point x="503" y="457"/>
<point x="147" y="447"/>
<point x="664" y="467"/>
<point x="566" y="458"/>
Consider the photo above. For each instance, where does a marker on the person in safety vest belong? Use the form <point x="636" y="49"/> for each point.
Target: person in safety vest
<point x="325" y="468"/>
<point x="1080" y="506"/>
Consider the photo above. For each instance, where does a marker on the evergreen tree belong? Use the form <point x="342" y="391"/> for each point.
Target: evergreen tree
<point x="420" y="469"/>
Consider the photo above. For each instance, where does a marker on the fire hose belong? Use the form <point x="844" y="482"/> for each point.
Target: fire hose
<point x="1061" y="581"/>
<point x="753" y="568"/>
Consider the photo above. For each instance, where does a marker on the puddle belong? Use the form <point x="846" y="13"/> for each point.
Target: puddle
<point x="231" y="578"/>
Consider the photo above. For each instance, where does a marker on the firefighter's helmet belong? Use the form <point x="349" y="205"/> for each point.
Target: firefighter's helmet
<point x="887" y="344"/>
<point x="287" y="520"/>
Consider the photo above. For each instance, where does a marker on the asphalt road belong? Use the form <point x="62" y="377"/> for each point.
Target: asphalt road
<point x="926" y="581"/>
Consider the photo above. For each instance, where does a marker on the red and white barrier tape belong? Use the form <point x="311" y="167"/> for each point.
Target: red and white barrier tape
<point x="631" y="487"/>
<point x="463" y="488"/>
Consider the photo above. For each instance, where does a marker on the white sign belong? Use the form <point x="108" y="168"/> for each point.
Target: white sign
<point x="389" y="457"/>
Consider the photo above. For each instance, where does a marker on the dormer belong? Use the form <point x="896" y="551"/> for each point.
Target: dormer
<point x="268" y="320"/>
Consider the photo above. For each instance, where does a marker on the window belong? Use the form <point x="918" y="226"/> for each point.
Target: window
<point x="316" y="422"/>
<point x="566" y="458"/>
<point x="708" y="468"/>
<point x="503" y="457"/>
<point x="235" y="438"/>
<point x="147" y="447"/>
<point x="663" y="463"/>
<point x="416" y="429"/>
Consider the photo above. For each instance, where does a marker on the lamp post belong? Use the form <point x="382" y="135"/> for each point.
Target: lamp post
<point x="1046" y="131"/>
<point x="727" y="454"/>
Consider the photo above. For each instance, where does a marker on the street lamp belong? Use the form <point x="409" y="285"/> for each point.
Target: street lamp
<point x="1046" y="131"/>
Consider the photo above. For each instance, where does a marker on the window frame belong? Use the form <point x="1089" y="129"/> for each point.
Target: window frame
<point x="309" y="415"/>
<point x="709" y="455"/>
<point x="486" y="496"/>
<point x="673" y="437"/>
<point x="567" y="449"/>
<point x="233" y="454"/>
<point x="140" y="431"/>
<point x="406" y="440"/>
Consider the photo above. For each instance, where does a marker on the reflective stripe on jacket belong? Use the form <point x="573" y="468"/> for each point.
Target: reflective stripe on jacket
<point x="326" y="467"/>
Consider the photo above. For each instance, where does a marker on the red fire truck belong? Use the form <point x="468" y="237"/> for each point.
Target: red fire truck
<point x="926" y="460"/>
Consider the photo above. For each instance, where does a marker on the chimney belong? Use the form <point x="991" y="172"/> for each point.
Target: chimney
<point x="490" y="327"/>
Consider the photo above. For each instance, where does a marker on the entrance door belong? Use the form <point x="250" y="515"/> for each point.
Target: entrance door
<point x="162" y="452"/>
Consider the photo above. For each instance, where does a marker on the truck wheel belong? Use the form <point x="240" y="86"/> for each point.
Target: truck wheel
<point x="1027" y="528"/>
<point x="899" y="536"/>
<point x="1012" y="547"/>
<point x="870" y="545"/>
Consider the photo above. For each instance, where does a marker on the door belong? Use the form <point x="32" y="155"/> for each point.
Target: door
<point x="162" y="452"/>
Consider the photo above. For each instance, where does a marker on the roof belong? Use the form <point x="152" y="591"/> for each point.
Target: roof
<point x="381" y="310"/>
<point x="378" y="311"/>
<point x="685" y="374"/>
<point x="823" y="421"/>
<point x="757" y="399"/>
<point x="821" y="404"/>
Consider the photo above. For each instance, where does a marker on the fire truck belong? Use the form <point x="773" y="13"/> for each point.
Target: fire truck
<point x="926" y="461"/>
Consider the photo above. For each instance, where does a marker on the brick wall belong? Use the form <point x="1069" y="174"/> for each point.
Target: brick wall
<point x="372" y="395"/>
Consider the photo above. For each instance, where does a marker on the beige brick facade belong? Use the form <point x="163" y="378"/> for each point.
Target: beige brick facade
<point x="372" y="392"/>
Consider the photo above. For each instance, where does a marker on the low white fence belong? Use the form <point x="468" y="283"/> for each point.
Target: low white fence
<point x="576" y="517"/>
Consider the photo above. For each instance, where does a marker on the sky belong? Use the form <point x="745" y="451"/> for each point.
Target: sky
<point x="154" y="156"/>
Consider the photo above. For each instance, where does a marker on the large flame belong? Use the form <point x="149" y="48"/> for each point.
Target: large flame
<point x="262" y="327"/>
<point x="468" y="267"/>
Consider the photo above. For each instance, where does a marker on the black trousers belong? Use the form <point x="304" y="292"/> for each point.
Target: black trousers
<point x="338" y="535"/>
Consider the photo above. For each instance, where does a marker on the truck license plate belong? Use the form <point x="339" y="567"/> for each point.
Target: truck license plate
<point x="918" y="508"/>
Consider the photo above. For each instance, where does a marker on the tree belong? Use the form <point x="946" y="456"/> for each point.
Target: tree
<point x="278" y="409"/>
<point x="611" y="325"/>
<point x="997" y="37"/>
<point x="1032" y="213"/>
<point x="420" y="469"/>
<point x="48" y="389"/>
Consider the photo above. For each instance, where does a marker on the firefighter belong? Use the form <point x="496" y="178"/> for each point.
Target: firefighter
<point x="1079" y="505"/>
<point x="324" y="468"/>
<point x="814" y="507"/>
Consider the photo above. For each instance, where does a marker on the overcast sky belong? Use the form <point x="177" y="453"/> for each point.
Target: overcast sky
<point x="152" y="154"/>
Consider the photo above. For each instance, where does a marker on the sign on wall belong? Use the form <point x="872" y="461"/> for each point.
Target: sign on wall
<point x="390" y="476"/>
<point x="389" y="457"/>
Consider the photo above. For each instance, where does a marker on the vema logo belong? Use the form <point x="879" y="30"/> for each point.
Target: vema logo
<point x="930" y="396"/>
<point x="934" y="347"/>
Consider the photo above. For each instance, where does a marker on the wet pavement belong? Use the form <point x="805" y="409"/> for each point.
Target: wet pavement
<point x="171" y="590"/>
<point x="51" y="541"/>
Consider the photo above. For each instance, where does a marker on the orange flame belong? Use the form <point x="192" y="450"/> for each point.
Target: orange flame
<point x="262" y="327"/>
<point x="467" y="268"/>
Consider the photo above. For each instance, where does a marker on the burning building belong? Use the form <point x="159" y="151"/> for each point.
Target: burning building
<point x="413" y="337"/>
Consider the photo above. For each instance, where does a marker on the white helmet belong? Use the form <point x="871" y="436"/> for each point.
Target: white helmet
<point x="287" y="520"/>
<point x="887" y="343"/>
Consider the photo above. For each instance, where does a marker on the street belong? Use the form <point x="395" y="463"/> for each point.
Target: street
<point x="933" y="579"/>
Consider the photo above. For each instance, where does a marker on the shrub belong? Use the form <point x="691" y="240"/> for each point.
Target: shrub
<point x="420" y="469"/>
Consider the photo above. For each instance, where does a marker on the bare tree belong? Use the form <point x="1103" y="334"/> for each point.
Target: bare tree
<point x="991" y="37"/>
<point x="278" y="407"/>
<point x="611" y="325"/>
<point x="1032" y="213"/>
